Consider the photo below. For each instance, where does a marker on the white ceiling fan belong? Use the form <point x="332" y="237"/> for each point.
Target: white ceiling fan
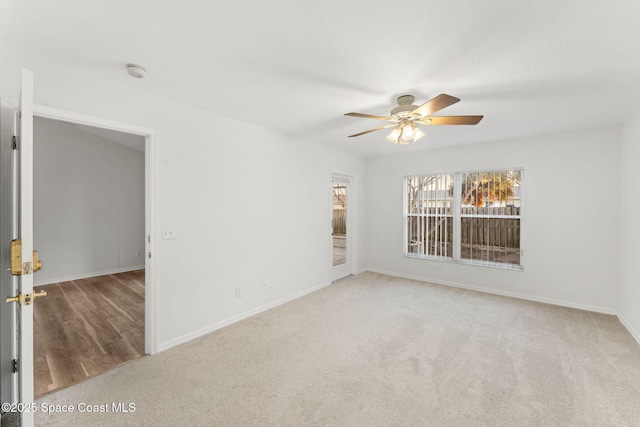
<point x="406" y="117"/>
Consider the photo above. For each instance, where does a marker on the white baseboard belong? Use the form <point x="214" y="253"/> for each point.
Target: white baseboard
<point x="635" y="334"/>
<point x="226" y="322"/>
<point x="86" y="275"/>
<point x="561" y="303"/>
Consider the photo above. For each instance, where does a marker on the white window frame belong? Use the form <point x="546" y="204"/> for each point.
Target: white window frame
<point x="457" y="222"/>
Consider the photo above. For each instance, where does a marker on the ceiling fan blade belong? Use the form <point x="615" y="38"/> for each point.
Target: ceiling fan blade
<point x="372" y="130"/>
<point x="450" y="120"/>
<point x="368" y="116"/>
<point x="436" y="104"/>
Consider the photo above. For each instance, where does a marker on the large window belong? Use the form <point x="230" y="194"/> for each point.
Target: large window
<point x="470" y="217"/>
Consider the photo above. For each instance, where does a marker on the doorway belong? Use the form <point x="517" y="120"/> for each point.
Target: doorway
<point x="89" y="230"/>
<point x="18" y="386"/>
<point x="342" y="230"/>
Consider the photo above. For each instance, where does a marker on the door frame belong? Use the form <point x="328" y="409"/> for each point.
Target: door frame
<point x="151" y="143"/>
<point x="352" y="203"/>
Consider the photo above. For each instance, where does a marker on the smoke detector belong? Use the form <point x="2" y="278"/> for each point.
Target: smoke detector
<point x="136" y="71"/>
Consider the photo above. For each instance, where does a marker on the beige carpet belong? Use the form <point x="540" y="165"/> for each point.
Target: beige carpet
<point x="374" y="350"/>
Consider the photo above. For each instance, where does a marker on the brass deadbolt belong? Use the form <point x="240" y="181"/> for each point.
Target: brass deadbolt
<point x="17" y="267"/>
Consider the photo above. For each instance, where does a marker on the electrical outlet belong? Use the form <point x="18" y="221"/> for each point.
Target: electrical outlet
<point x="264" y="284"/>
<point x="138" y="254"/>
<point x="168" y="233"/>
<point x="237" y="292"/>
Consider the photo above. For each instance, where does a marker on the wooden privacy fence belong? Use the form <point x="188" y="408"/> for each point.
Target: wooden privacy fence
<point x="339" y="222"/>
<point x="503" y="232"/>
<point x="488" y="231"/>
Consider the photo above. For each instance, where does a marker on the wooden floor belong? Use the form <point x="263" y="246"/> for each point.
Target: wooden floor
<point x="85" y="327"/>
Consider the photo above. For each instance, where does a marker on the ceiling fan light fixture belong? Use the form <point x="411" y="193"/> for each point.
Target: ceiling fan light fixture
<point x="405" y="133"/>
<point x="402" y="141"/>
<point x="408" y="129"/>
<point x="394" y="135"/>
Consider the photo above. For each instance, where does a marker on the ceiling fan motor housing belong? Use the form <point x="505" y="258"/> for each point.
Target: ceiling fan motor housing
<point x="405" y="99"/>
<point x="404" y="107"/>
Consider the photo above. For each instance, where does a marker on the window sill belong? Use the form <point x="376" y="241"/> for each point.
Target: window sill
<point x="501" y="266"/>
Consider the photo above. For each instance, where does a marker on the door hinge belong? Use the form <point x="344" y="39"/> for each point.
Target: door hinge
<point x="14" y="366"/>
<point x="14" y="142"/>
<point x="149" y="254"/>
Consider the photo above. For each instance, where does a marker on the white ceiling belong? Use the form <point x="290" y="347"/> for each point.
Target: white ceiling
<point x="531" y="67"/>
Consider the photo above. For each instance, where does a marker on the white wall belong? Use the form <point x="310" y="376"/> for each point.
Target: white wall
<point x="225" y="195"/>
<point x="244" y="209"/>
<point x="569" y="230"/>
<point x="629" y="300"/>
<point x="88" y="205"/>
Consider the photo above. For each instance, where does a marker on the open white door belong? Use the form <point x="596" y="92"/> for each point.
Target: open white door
<point x="8" y="386"/>
<point x="22" y="256"/>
